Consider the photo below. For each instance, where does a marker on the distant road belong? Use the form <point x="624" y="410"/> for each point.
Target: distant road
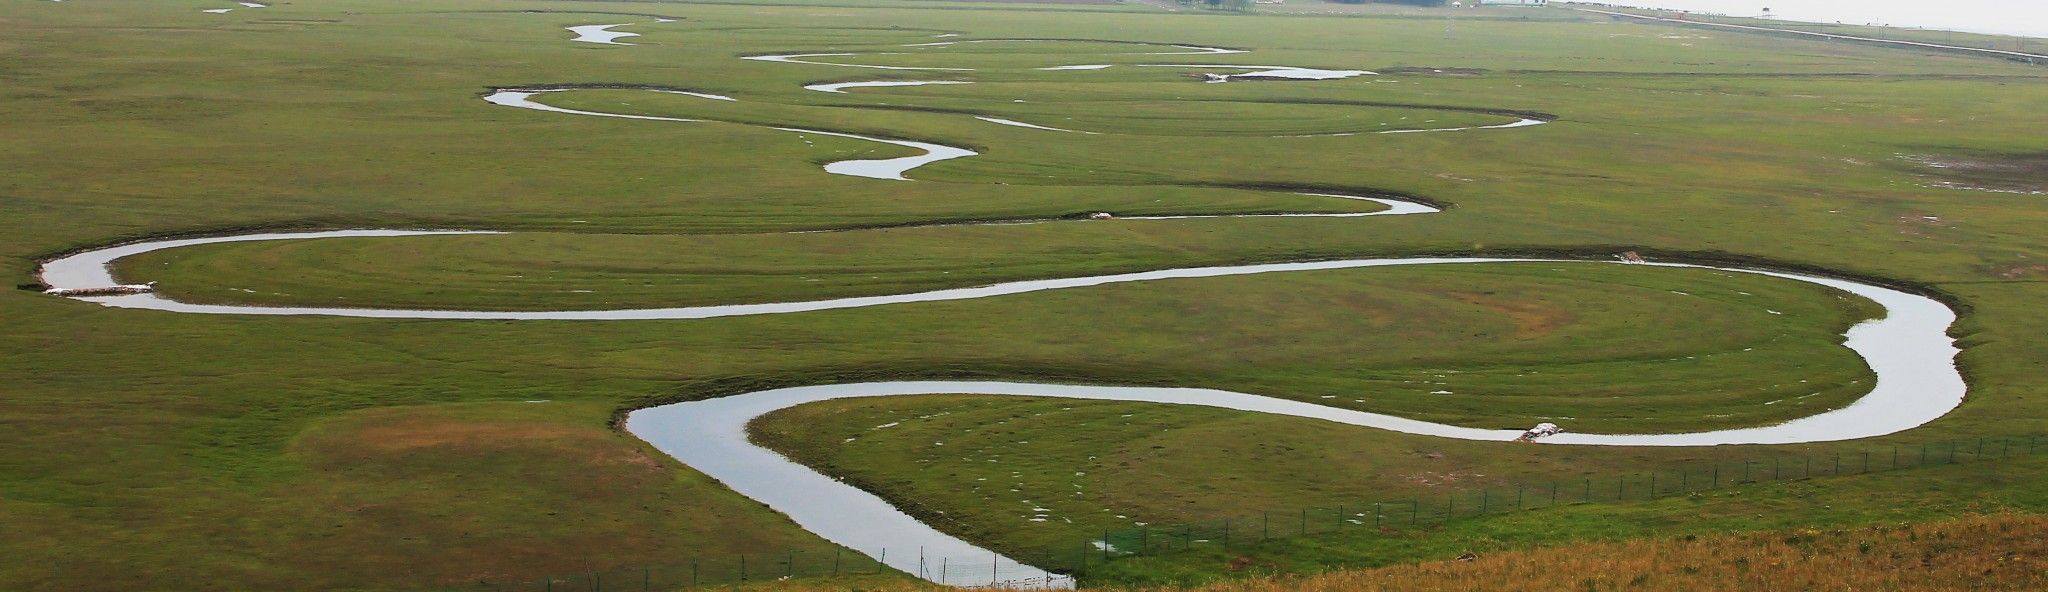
<point x="2010" y="55"/>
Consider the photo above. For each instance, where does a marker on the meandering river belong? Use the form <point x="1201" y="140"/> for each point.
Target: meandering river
<point x="1908" y="350"/>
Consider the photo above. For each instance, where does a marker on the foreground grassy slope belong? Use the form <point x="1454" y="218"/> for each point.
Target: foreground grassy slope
<point x="1987" y="552"/>
<point x="147" y="450"/>
<point x="1978" y="553"/>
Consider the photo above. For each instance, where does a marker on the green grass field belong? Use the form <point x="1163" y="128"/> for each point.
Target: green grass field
<point x="145" y="450"/>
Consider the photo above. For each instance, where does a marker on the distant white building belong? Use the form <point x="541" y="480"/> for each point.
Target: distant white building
<point x="1513" y="2"/>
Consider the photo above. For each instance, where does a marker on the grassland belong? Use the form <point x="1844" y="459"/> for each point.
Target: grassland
<point x="1986" y="552"/>
<point x="145" y="450"/>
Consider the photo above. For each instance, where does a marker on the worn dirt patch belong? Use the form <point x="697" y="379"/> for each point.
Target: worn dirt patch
<point x="381" y="435"/>
<point x="2018" y="271"/>
<point x="1998" y="173"/>
<point x="1435" y="479"/>
<point x="1532" y="319"/>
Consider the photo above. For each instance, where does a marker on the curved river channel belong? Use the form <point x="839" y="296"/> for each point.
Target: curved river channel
<point x="1908" y="349"/>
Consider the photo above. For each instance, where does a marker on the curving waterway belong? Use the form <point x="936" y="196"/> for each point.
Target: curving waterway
<point x="1908" y="350"/>
<point x="602" y="34"/>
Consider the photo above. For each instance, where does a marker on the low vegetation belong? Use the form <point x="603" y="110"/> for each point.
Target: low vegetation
<point x="2002" y="552"/>
<point x="147" y="450"/>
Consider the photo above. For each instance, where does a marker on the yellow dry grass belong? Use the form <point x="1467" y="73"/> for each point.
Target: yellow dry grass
<point x="1981" y="553"/>
<point x="1999" y="552"/>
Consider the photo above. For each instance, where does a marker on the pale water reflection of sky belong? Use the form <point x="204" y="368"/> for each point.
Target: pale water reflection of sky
<point x="2005" y="17"/>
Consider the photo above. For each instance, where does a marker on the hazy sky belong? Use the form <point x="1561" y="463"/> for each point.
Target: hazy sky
<point x="2008" y="17"/>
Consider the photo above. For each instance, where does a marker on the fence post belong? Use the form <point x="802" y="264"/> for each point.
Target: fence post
<point x="1621" y="488"/>
<point x="1450" y="505"/>
<point x="1838" y="464"/>
<point x="835" y="561"/>
<point x="1265" y="525"/>
<point x="1717" y="477"/>
<point x="1774" y="468"/>
<point x="1951" y="452"/>
<point x="1226" y="533"/>
<point x="792" y="565"/>
<point x="597" y="582"/>
<point x="1518" y="496"/>
<point x="1375" y="514"/>
<point x="1653" y="485"/>
<point x="1483" y="501"/>
<point x="1144" y="538"/>
<point x="647" y="579"/>
<point x="1105" y="546"/>
<point x="1745" y="470"/>
<point x="1553" y="493"/>
<point x="1304" y="521"/>
<point x="1414" y="510"/>
<point x="1341" y="517"/>
<point x="1866" y="462"/>
<point x="693" y="572"/>
<point x="743" y="567"/>
<point x="1684" y="480"/>
<point x="882" y="561"/>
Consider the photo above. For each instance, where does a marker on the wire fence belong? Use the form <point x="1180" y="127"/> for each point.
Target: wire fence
<point x="704" y="572"/>
<point x="1419" y="511"/>
<point x="986" y="571"/>
<point x="1054" y="567"/>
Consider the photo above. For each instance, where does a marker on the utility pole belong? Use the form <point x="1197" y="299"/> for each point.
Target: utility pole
<point x="1451" y="19"/>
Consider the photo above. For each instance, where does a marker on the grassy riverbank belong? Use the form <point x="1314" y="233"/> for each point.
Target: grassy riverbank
<point x="1988" y="552"/>
<point x="146" y="450"/>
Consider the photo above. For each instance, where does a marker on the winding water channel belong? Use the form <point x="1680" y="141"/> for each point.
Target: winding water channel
<point x="1908" y="349"/>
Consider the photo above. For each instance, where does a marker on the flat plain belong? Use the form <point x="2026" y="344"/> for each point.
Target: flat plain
<point x="147" y="450"/>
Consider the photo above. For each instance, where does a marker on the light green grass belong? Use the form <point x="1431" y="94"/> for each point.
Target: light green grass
<point x="152" y="450"/>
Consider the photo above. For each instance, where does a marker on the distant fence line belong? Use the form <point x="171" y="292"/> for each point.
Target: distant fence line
<point x="1872" y="35"/>
<point x="1249" y="529"/>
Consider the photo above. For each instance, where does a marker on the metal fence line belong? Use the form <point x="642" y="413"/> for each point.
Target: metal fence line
<point x="1361" y="516"/>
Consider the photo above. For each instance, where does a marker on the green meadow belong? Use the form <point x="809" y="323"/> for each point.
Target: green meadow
<point x="151" y="450"/>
